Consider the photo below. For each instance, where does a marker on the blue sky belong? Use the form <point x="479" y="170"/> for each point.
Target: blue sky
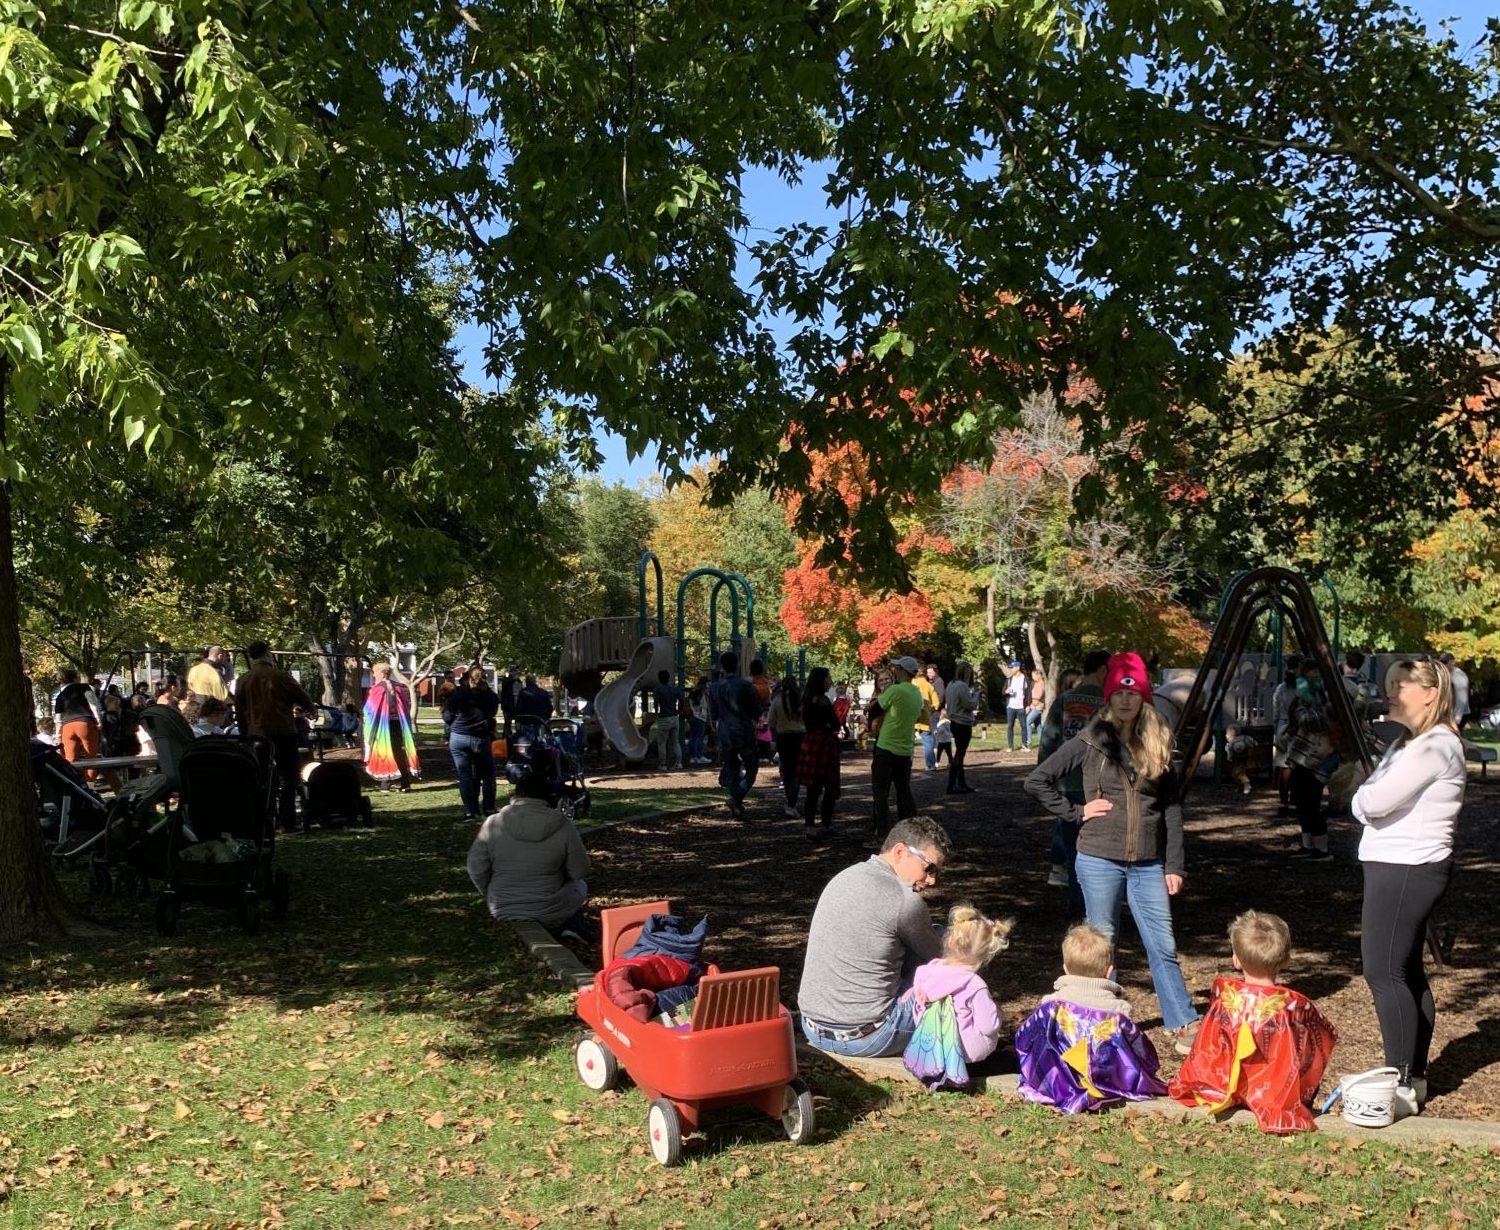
<point x="770" y="203"/>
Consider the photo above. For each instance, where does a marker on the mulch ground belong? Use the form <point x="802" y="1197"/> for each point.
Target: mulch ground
<point x="758" y="882"/>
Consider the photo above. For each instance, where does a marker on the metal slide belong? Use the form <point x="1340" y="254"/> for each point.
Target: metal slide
<point x="613" y="705"/>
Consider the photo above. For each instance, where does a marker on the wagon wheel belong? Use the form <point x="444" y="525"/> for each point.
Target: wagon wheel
<point x="664" y="1132"/>
<point x="797" y="1115"/>
<point x="596" y="1064"/>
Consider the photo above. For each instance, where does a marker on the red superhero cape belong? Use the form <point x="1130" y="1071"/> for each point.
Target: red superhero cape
<point x="1263" y="1048"/>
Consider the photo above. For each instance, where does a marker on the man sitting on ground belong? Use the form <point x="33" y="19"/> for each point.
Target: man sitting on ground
<point x="869" y="933"/>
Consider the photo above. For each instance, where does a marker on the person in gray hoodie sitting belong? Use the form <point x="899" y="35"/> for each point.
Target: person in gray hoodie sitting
<point x="528" y="861"/>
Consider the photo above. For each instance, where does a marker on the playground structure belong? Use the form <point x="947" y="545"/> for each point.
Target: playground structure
<point x="1223" y="689"/>
<point x="639" y="647"/>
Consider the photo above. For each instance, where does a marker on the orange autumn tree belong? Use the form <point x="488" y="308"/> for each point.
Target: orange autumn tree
<point x="851" y="625"/>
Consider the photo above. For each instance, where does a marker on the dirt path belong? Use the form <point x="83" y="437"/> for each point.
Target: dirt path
<point x="758" y="883"/>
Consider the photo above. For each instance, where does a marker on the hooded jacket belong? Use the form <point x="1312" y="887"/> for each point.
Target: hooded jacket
<point x="1145" y="822"/>
<point x="978" y="1019"/>
<point x="529" y="862"/>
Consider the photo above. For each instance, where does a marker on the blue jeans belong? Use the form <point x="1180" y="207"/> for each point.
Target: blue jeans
<point x="1106" y="883"/>
<point x="1065" y="854"/>
<point x="474" y="759"/>
<point x="1033" y="725"/>
<point x="737" y="769"/>
<point x="697" y="728"/>
<point x="1014" y="718"/>
<point x="889" y="1039"/>
<point x="929" y="756"/>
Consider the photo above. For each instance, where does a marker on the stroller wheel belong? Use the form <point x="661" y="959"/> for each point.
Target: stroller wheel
<point x="281" y="893"/>
<point x="166" y="915"/>
<point x="664" y="1132"/>
<point x="247" y="914"/>
<point x="101" y="882"/>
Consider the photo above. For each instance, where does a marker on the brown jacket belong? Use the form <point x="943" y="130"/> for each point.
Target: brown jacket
<point x="264" y="697"/>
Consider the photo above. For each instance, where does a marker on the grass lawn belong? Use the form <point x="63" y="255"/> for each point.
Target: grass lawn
<point x="389" y="1057"/>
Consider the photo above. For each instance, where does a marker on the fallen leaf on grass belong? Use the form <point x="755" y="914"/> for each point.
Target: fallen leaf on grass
<point x="1182" y="1192"/>
<point x="1106" y="1159"/>
<point x="182" y="1110"/>
<point x="857" y="1187"/>
<point x="436" y="1120"/>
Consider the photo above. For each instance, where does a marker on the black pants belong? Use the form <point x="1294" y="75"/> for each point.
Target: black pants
<point x="961" y="736"/>
<point x="888" y="769"/>
<point x="288" y="775"/>
<point x="810" y="804"/>
<point x="1399" y="901"/>
<point x="398" y="751"/>
<point x="1307" y="802"/>
<point x="788" y="750"/>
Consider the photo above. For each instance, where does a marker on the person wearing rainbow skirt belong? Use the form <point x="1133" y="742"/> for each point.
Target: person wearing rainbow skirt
<point x="390" y="749"/>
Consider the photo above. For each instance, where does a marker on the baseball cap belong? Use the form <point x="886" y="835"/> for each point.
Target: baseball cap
<point x="910" y="665"/>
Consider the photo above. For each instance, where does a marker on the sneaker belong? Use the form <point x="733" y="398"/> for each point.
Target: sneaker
<point x="790" y="812"/>
<point x="1419" y="1087"/>
<point x="1317" y="856"/>
<point x="1183" y="1039"/>
<point x="1407" y="1104"/>
<point x="1245" y="789"/>
<point x="1057" y="877"/>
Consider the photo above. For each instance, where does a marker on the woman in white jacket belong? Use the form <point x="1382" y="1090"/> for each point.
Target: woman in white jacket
<point x="1408" y="808"/>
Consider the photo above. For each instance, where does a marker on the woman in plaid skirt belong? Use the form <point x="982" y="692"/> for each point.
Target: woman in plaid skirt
<point x="818" y="763"/>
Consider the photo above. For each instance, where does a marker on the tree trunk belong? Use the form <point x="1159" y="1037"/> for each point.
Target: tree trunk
<point x="31" y="903"/>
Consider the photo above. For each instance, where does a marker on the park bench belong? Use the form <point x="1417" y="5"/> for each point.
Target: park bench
<point x="1481" y="754"/>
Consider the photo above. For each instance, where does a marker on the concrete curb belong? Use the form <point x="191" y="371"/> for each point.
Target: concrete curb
<point x="558" y="958"/>
<point x="1469" y="1133"/>
<point x="663" y="814"/>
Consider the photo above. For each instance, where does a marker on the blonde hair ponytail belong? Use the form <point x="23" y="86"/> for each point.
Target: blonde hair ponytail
<point x="974" y="940"/>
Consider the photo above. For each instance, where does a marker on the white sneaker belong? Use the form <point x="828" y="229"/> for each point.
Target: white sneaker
<point x="1245" y="789"/>
<point x="790" y="812"/>
<point x="1406" y="1102"/>
<point x="1057" y="877"/>
<point x="1419" y="1087"/>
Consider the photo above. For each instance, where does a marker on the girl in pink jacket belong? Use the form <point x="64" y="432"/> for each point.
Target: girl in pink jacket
<point x="972" y="942"/>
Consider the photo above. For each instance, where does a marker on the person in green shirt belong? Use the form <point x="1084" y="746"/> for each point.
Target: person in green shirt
<point x="900" y="707"/>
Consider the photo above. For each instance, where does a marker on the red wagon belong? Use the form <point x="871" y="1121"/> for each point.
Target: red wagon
<point x="738" y="1050"/>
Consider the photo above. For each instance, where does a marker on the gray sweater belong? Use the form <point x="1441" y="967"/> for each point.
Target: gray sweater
<point x="867" y="926"/>
<point x="529" y="862"/>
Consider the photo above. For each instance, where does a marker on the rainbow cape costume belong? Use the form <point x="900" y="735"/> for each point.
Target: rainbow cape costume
<point x="385" y="705"/>
<point x="1263" y="1048"/>
<point x="935" y="1056"/>
<point x="1078" y="1059"/>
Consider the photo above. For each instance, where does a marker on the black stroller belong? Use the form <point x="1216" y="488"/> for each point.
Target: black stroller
<point x="566" y="789"/>
<point x="333" y="794"/>
<point x="220" y="845"/>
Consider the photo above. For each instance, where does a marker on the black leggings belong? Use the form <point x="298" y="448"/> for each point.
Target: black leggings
<point x="1399" y="900"/>
<point x="962" y="733"/>
<point x="1307" y="802"/>
<point x="810" y="804"/>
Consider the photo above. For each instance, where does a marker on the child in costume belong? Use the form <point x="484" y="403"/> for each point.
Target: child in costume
<point x="1080" y="1050"/>
<point x="1262" y="1046"/>
<point x="957" y="1021"/>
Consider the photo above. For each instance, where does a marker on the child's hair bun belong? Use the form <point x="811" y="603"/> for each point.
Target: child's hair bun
<point x="974" y="939"/>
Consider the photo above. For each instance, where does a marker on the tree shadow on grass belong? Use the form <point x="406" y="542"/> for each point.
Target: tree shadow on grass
<point x="383" y="917"/>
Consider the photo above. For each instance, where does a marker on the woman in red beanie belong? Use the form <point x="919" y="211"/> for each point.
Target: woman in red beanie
<point x="1130" y="835"/>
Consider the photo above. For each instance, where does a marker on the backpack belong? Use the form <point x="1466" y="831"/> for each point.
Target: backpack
<point x="684" y="707"/>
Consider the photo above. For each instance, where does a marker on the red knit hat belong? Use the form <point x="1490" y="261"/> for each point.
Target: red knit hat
<point x="1128" y="673"/>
